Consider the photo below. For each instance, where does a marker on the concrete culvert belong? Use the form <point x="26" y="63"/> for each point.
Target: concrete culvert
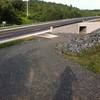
<point x="82" y="29"/>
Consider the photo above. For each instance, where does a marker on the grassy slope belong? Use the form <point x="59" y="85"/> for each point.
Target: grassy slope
<point x="8" y="44"/>
<point x="89" y="58"/>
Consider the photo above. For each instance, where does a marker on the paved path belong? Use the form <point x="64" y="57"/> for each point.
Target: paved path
<point x="37" y="71"/>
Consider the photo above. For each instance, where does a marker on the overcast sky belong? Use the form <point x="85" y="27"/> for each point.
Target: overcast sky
<point x="82" y="4"/>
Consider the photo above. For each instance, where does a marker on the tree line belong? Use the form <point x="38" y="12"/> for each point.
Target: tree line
<point x="14" y="11"/>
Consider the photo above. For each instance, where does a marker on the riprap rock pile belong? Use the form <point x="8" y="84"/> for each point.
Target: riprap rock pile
<point x="80" y="43"/>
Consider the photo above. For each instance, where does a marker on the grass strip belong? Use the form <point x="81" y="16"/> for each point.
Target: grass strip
<point x="15" y="42"/>
<point x="89" y="58"/>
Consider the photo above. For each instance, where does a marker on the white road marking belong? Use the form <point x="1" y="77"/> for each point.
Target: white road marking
<point x="49" y="36"/>
<point x="24" y="36"/>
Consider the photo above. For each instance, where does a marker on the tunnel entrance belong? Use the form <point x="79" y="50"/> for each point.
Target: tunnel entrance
<point x="82" y="29"/>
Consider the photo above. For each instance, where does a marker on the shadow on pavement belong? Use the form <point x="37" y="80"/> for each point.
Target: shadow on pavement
<point x="64" y="91"/>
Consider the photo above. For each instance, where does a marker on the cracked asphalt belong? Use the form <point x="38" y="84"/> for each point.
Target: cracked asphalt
<point x="35" y="70"/>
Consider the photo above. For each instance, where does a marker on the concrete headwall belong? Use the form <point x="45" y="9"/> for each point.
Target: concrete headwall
<point x="67" y="29"/>
<point x="88" y="27"/>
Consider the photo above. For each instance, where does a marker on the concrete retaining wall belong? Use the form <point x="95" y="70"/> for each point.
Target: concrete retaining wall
<point x="79" y="28"/>
<point x="67" y="29"/>
<point x="90" y="26"/>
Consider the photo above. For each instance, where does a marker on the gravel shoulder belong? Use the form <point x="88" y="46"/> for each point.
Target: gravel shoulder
<point x="37" y="71"/>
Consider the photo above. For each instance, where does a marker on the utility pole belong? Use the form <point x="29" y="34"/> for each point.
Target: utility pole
<point x="27" y="7"/>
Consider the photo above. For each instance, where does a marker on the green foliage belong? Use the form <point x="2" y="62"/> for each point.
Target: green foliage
<point x="89" y="58"/>
<point x="90" y="12"/>
<point x="14" y="11"/>
<point x="18" y="5"/>
<point x="16" y="42"/>
<point x="8" y="44"/>
<point x="7" y="12"/>
<point x="26" y="20"/>
<point x="43" y="11"/>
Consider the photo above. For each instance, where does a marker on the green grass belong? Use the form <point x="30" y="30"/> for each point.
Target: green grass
<point x="12" y="43"/>
<point x="89" y="58"/>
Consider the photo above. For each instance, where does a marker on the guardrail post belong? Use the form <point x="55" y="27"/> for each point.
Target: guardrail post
<point x="51" y="29"/>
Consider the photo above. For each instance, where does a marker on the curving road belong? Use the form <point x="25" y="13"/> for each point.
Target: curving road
<point x="7" y="34"/>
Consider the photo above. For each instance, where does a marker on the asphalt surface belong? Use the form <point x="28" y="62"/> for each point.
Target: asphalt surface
<point x="31" y="29"/>
<point x="36" y="70"/>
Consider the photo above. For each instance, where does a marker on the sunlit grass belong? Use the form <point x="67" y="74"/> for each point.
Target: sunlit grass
<point x="15" y="42"/>
<point x="89" y="58"/>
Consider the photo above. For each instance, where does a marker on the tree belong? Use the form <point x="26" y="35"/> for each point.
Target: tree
<point x="18" y="5"/>
<point x="8" y="13"/>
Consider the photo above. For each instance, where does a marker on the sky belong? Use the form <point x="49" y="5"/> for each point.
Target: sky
<point x="82" y="4"/>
